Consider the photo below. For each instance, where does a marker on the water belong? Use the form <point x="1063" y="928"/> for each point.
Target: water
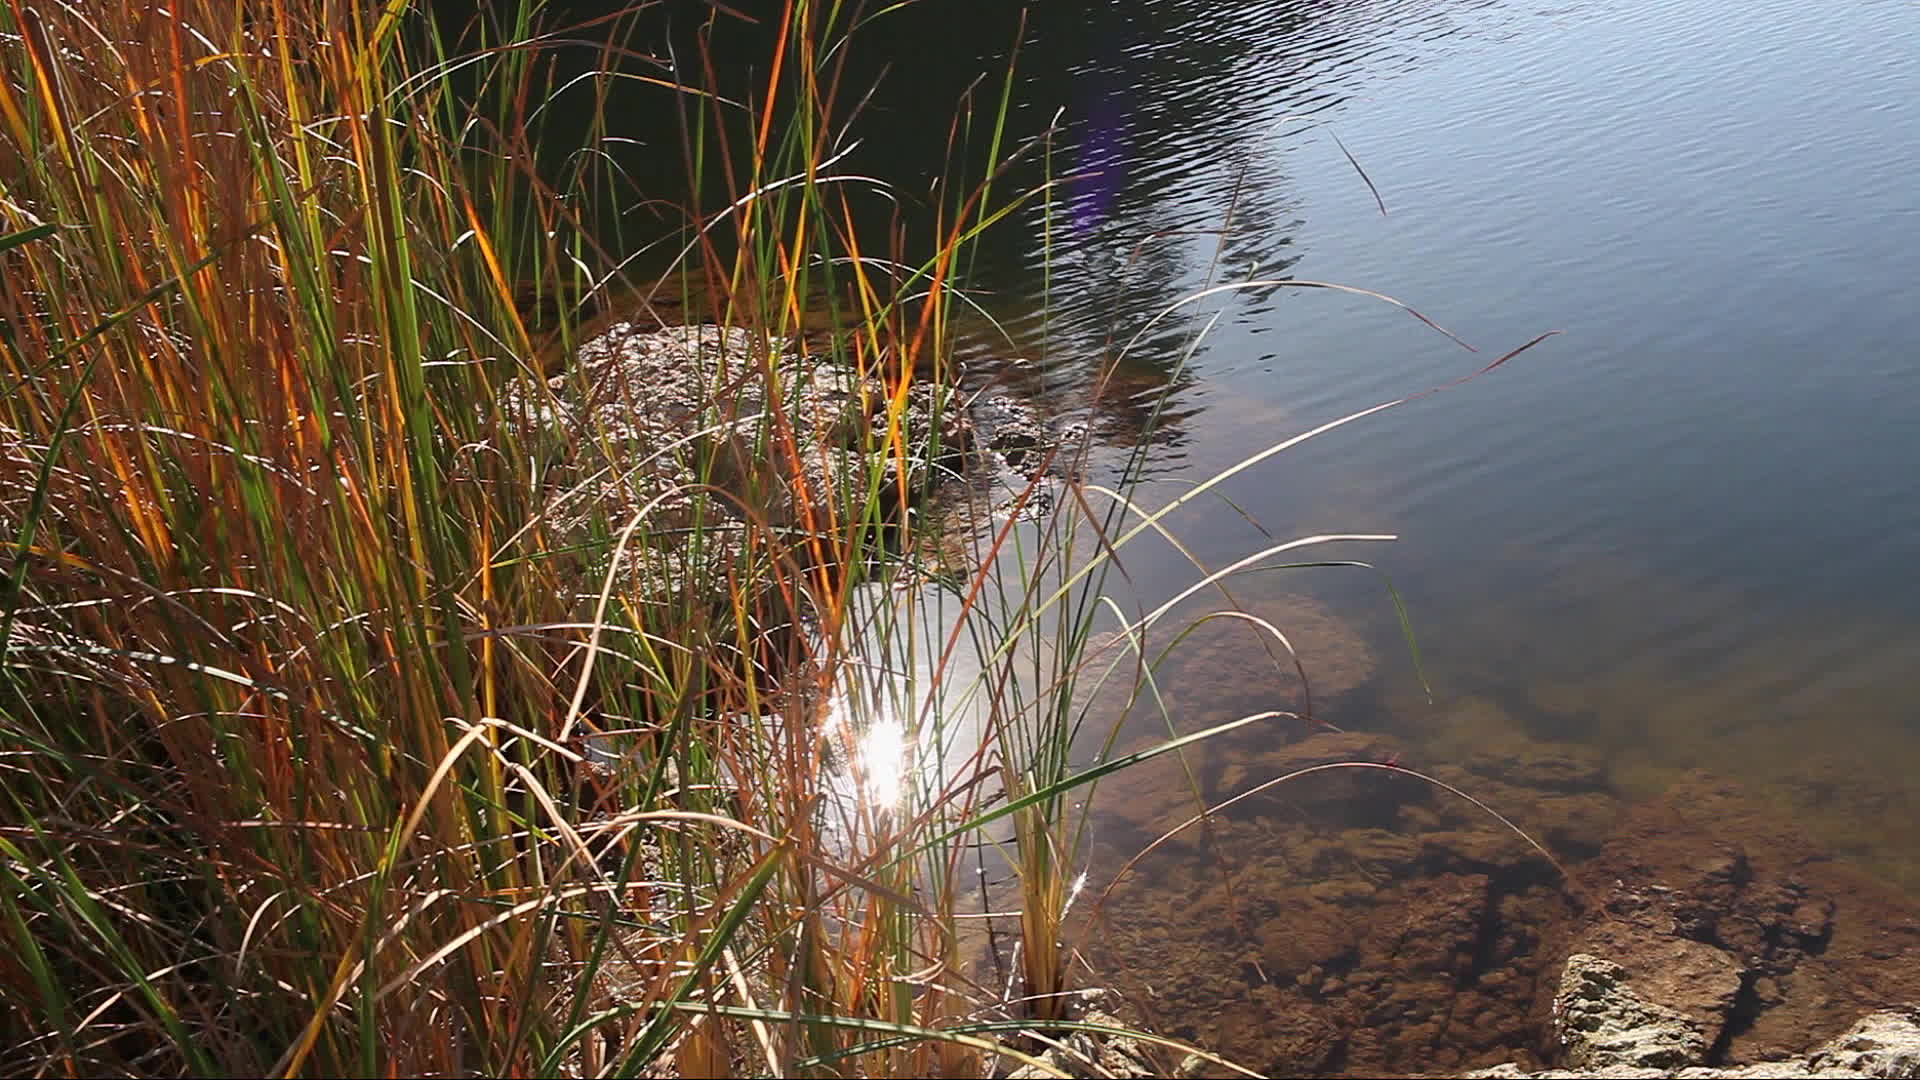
<point x="1681" y="531"/>
<point x="1680" y="534"/>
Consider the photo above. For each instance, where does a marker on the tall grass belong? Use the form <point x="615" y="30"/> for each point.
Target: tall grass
<point x="309" y="687"/>
<point x="355" y="717"/>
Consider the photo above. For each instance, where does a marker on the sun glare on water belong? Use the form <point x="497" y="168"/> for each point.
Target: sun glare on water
<point x="883" y="763"/>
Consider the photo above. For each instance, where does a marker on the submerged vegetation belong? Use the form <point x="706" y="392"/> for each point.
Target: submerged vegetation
<point x="366" y="707"/>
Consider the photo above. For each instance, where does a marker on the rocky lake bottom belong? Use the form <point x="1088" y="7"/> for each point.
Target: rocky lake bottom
<point x="1365" y="922"/>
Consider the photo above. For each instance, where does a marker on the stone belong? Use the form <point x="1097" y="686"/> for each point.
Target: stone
<point x="1380" y="851"/>
<point x="1093" y="1054"/>
<point x="1751" y="942"/>
<point x="1162" y="794"/>
<point x="1305" y="936"/>
<point x="1611" y="1031"/>
<point x="1697" y="980"/>
<point x="1883" y="1044"/>
<point x="1342" y="891"/>
<point x="1603" y="1023"/>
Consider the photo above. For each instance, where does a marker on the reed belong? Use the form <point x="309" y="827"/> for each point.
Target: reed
<point x="363" y="710"/>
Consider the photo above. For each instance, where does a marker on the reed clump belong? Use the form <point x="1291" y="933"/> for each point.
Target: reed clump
<point x="359" y="715"/>
<point x="398" y="674"/>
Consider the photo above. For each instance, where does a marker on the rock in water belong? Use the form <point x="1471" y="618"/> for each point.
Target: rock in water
<point x="1604" y="1023"/>
<point x="1084" y="1054"/>
<point x="1882" y="1045"/>
<point x="1611" y="1031"/>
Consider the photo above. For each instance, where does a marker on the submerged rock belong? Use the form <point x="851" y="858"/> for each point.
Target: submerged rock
<point x="1360" y="923"/>
<point x="1012" y="429"/>
<point x="1604" y="1023"/>
<point x="1884" y="1044"/>
<point x="1614" y="1024"/>
<point x="1710" y="869"/>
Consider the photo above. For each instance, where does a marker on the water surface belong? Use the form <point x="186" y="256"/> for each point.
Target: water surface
<point x="1683" y="530"/>
<point x="1679" y="535"/>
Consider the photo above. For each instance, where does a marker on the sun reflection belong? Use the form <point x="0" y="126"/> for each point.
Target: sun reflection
<point x="883" y="763"/>
<point x="903" y="714"/>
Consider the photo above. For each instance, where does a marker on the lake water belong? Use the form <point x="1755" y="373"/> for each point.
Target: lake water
<point x="1681" y="534"/>
<point x="1685" y="529"/>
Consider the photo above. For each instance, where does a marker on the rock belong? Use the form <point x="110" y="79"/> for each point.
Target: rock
<point x="1695" y="979"/>
<point x="1306" y="936"/>
<point x="1296" y="1043"/>
<point x="1379" y="851"/>
<point x="1012" y="429"/>
<point x="1192" y="1067"/>
<point x="724" y="444"/>
<point x="1225" y="667"/>
<point x="1015" y="457"/>
<point x="1820" y="943"/>
<point x="1470" y="849"/>
<point x="1745" y="941"/>
<point x="1603" y="1023"/>
<point x="1333" y="797"/>
<point x="1611" y="1031"/>
<point x="1092" y="1054"/>
<point x="1161" y="794"/>
<point x="1883" y="1044"/>
<point x="1342" y="891"/>
<point x="1536" y="764"/>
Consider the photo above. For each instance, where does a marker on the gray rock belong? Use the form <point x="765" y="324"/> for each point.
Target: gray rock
<point x="718" y="440"/>
<point x="1603" y="1023"/>
<point x="1692" y="977"/>
<point x="1192" y="1066"/>
<point x="1010" y="428"/>
<point x="1883" y="1044"/>
<point x="1610" y="1031"/>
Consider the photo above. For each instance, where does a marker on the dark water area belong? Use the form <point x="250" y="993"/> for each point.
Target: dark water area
<point x="1663" y="563"/>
